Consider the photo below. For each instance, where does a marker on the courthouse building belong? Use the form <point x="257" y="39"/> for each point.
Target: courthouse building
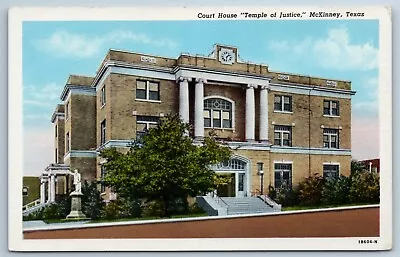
<point x="282" y="127"/>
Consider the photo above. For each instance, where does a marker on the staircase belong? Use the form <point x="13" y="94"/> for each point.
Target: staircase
<point x="246" y="205"/>
<point x="221" y="206"/>
<point x="32" y="207"/>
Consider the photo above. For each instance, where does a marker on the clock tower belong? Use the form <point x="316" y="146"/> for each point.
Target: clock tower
<point x="226" y="55"/>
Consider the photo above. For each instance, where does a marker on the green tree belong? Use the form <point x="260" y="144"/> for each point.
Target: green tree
<point x="365" y="187"/>
<point x="357" y="167"/>
<point x="165" y="165"/>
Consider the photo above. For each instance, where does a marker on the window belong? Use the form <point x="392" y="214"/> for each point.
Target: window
<point x="283" y="175"/>
<point x="283" y="103"/>
<point x="67" y="142"/>
<point x="331" y="171"/>
<point x="331" y="108"/>
<point x="147" y="90"/>
<point x="56" y="155"/>
<point x="67" y="111"/>
<point x="217" y="113"/>
<point x="144" y="123"/>
<point x="283" y="135"/>
<point x="103" y="96"/>
<point x="55" y="131"/>
<point x="103" y="132"/>
<point x="102" y="175"/>
<point x="25" y="191"/>
<point x="331" y="138"/>
<point x="233" y="164"/>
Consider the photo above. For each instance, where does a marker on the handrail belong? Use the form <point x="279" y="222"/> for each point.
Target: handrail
<point x="31" y="205"/>
<point x="219" y="198"/>
<point x="269" y="201"/>
<point x="263" y="197"/>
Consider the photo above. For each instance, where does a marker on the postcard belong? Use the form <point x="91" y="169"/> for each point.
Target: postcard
<point x="200" y="128"/>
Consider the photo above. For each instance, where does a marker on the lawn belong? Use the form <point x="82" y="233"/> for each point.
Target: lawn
<point x="128" y="219"/>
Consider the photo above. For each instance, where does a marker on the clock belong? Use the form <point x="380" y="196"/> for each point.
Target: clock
<point x="226" y="56"/>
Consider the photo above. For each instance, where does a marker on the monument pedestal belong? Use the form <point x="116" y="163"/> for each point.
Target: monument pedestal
<point x="76" y="206"/>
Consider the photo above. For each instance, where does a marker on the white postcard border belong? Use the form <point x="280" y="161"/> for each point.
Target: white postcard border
<point x="16" y="241"/>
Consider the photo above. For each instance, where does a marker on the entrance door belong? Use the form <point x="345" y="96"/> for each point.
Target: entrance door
<point x="228" y="189"/>
<point x="238" y="171"/>
<point x="241" y="184"/>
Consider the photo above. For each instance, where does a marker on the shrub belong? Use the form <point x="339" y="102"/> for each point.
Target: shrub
<point x="64" y="207"/>
<point x="310" y="190"/>
<point x="271" y="192"/>
<point x="286" y="196"/>
<point x="195" y="209"/>
<point x="37" y="215"/>
<point x="152" y="209"/>
<point x="364" y="187"/>
<point x="111" y="211"/>
<point x="130" y="208"/>
<point x="336" y="190"/>
<point x="52" y="212"/>
<point x="178" y="206"/>
<point x="92" y="203"/>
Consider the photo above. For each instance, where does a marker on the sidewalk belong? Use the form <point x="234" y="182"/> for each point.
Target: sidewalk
<point x="41" y="224"/>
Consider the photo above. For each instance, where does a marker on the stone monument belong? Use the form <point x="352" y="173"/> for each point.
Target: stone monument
<point x="76" y="198"/>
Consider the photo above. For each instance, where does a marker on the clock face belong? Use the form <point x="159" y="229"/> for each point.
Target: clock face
<point x="226" y="56"/>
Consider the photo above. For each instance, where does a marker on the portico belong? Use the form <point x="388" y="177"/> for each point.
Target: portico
<point x="49" y="180"/>
<point x="250" y="108"/>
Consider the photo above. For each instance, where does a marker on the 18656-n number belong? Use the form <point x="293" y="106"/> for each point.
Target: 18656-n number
<point x="367" y="241"/>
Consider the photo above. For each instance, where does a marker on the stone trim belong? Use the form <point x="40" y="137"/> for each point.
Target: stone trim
<point x="313" y="91"/>
<point x="212" y="75"/>
<point x="56" y="115"/>
<point x="79" y="90"/>
<point x="81" y="154"/>
<point x="306" y="150"/>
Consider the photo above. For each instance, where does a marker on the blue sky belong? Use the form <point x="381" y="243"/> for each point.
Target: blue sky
<point x="336" y="49"/>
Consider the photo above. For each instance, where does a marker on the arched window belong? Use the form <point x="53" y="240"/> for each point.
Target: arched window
<point x="233" y="164"/>
<point x="218" y="113"/>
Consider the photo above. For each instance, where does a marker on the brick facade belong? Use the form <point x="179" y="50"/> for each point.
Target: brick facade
<point x="89" y="117"/>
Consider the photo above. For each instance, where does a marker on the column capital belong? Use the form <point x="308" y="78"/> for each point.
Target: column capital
<point x="184" y="79"/>
<point x="201" y="80"/>
<point x="251" y="86"/>
<point x="263" y="87"/>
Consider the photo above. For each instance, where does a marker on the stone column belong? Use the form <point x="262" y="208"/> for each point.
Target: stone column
<point x="264" y="113"/>
<point x="199" y="108"/>
<point x="53" y="187"/>
<point x="250" y="113"/>
<point x="48" y="189"/>
<point x="184" y="99"/>
<point x="42" y="190"/>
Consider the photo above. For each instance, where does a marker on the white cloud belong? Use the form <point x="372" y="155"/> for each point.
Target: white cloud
<point x="39" y="103"/>
<point x="334" y="51"/>
<point x="38" y="150"/>
<point x="66" y="44"/>
<point x="36" y="103"/>
<point x="48" y="92"/>
<point x="63" y="43"/>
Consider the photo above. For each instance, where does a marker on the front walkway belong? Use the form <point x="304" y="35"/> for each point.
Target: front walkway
<point x="34" y="224"/>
